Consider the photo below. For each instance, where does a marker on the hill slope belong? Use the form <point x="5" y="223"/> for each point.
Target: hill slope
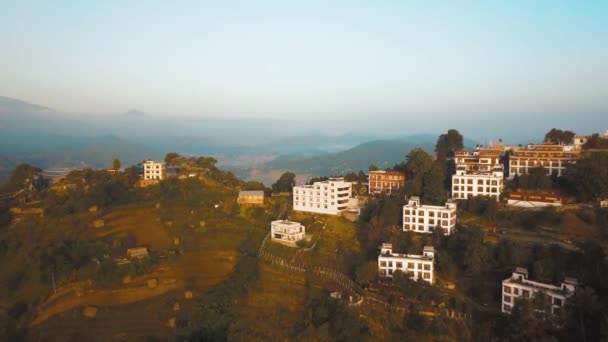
<point x="384" y="153"/>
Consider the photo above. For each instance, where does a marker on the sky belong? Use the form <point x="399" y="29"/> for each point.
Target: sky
<point x="416" y="64"/>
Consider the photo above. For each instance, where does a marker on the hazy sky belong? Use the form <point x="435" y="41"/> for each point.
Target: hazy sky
<point x="419" y="61"/>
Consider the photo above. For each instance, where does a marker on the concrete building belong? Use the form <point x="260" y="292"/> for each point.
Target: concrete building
<point x="426" y="218"/>
<point x="604" y="203"/>
<point x="416" y="266"/>
<point x="552" y="158"/>
<point x="385" y="181"/>
<point x="154" y="170"/>
<point x="287" y="232"/>
<point x="328" y="197"/>
<point x="483" y="159"/>
<point x="526" y="199"/>
<point x="466" y="184"/>
<point x="252" y="197"/>
<point x="518" y="286"/>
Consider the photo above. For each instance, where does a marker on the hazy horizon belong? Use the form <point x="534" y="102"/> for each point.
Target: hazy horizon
<point x="487" y="69"/>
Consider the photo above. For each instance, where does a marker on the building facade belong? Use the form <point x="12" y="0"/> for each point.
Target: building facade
<point x="469" y="184"/>
<point x="426" y="218"/>
<point x="328" y="197"/>
<point x="385" y="181"/>
<point x="518" y="286"/>
<point x="287" y="232"/>
<point x="251" y="197"/>
<point x="414" y="265"/>
<point x="525" y="199"/>
<point x="483" y="159"/>
<point x="552" y="158"/>
<point x="154" y="170"/>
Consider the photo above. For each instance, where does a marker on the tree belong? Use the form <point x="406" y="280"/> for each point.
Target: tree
<point x="531" y="319"/>
<point x="589" y="177"/>
<point x="425" y="176"/>
<point x="285" y="183"/>
<point x="374" y="167"/>
<point x="433" y="190"/>
<point x="116" y="164"/>
<point x="361" y="177"/>
<point x="447" y="144"/>
<point x="173" y="158"/>
<point x="557" y="136"/>
<point x="595" y="141"/>
<point x="585" y="318"/>
<point x="367" y="273"/>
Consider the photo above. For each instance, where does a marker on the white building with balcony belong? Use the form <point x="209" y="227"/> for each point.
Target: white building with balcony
<point x="287" y="232"/>
<point x="426" y="218"/>
<point x="518" y="286"/>
<point x="329" y="197"/>
<point x="154" y="170"/>
<point x="416" y="266"/>
<point x="470" y="184"/>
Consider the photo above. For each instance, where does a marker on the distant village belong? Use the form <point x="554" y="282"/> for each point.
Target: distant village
<point x="480" y="172"/>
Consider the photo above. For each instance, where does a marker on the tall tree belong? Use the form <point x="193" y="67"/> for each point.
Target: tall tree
<point x="557" y="136"/>
<point x="425" y="177"/>
<point x="285" y="183"/>
<point x="116" y="164"/>
<point x="590" y="177"/>
<point x="417" y="164"/>
<point x="447" y="144"/>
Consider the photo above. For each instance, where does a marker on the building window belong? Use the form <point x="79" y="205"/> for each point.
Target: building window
<point x="506" y="299"/>
<point x="525" y="293"/>
<point x="506" y="289"/>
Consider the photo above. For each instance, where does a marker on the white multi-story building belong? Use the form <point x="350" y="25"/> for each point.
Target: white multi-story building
<point x="426" y="218"/>
<point x="287" y="232"/>
<point x="328" y="197"/>
<point x="519" y="286"/>
<point x="154" y="169"/>
<point x="414" y="265"/>
<point x="469" y="184"/>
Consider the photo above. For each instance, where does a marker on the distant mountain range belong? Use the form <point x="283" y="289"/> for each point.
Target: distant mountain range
<point x="46" y="138"/>
<point x="383" y="153"/>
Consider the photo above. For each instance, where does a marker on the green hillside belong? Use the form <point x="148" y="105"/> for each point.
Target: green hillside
<point x="384" y="153"/>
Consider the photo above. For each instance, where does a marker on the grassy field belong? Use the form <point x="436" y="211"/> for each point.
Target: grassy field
<point x="274" y="307"/>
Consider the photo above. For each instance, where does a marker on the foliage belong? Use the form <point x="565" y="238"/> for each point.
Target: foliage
<point x="367" y="273"/>
<point x="531" y="320"/>
<point x="589" y="177"/>
<point x="90" y="188"/>
<point x="447" y="144"/>
<point x="557" y="136"/>
<point x="425" y="177"/>
<point x="536" y="179"/>
<point x="585" y="317"/>
<point x="285" y="183"/>
<point x="116" y="164"/>
<point x="20" y="176"/>
<point x="485" y="206"/>
<point x="595" y="141"/>
<point x="373" y="167"/>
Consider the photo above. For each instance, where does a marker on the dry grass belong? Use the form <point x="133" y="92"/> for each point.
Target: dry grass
<point x="143" y="224"/>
